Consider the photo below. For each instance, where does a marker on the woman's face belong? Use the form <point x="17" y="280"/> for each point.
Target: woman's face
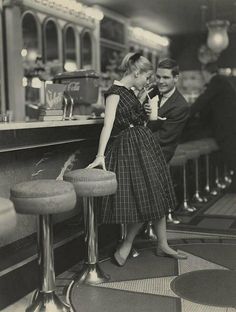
<point x="142" y="79"/>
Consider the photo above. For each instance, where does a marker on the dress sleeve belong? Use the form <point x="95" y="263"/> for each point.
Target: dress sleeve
<point x="112" y="90"/>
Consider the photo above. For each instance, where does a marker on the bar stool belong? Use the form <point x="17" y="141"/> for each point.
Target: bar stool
<point x="205" y="149"/>
<point x="45" y="198"/>
<point x="7" y="216"/>
<point x="180" y="158"/>
<point x="90" y="183"/>
<point x="197" y="196"/>
<point x="219" y="185"/>
<point x="214" y="149"/>
<point x="191" y="153"/>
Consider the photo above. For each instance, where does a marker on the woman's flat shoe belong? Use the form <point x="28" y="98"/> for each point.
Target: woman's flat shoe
<point x="178" y="255"/>
<point x="119" y="260"/>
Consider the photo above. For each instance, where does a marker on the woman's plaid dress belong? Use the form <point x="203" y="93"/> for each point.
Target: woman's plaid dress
<point x="145" y="190"/>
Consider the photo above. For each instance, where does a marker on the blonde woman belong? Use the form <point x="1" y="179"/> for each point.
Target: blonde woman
<point x="145" y="190"/>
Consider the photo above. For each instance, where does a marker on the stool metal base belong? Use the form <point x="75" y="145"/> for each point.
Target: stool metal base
<point x="186" y="207"/>
<point x="48" y="302"/>
<point x="91" y="274"/>
<point x="134" y="253"/>
<point x="215" y="191"/>
<point x="221" y="186"/>
<point x="197" y="198"/>
<point x="170" y="219"/>
<point x="149" y="232"/>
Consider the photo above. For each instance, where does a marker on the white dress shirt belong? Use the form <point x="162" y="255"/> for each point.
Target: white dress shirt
<point x="166" y="96"/>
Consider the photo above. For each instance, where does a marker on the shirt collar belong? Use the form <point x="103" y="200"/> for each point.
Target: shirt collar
<point x="167" y="95"/>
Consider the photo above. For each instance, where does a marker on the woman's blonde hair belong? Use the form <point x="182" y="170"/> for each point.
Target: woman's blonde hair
<point x="135" y="62"/>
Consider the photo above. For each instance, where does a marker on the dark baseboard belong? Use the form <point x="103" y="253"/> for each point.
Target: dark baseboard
<point x="18" y="261"/>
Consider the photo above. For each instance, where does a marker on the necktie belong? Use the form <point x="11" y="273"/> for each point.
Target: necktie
<point x="159" y="100"/>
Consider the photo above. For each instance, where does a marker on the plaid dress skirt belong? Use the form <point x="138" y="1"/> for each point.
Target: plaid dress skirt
<point x="145" y="191"/>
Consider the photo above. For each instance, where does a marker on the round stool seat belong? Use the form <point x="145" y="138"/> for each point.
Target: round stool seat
<point x="7" y="216"/>
<point x="212" y="143"/>
<point x="203" y="146"/>
<point x="43" y="197"/>
<point x="190" y="151"/>
<point x="179" y="159"/>
<point x="92" y="182"/>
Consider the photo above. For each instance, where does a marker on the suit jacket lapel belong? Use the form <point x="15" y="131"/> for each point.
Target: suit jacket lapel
<point x="168" y="104"/>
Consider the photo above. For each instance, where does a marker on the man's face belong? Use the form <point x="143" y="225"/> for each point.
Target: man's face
<point x="165" y="80"/>
<point x="206" y="76"/>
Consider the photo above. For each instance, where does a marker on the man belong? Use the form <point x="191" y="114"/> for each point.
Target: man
<point x="172" y="105"/>
<point x="217" y="108"/>
<point x="174" y="108"/>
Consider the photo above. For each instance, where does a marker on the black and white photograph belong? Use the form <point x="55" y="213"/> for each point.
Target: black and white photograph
<point x="117" y="155"/>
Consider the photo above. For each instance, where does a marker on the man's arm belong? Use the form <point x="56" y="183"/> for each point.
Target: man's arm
<point x="170" y="132"/>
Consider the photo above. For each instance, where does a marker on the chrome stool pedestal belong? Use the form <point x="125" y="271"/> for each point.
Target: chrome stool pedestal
<point x="185" y="205"/>
<point x="149" y="232"/>
<point x="197" y="197"/>
<point x="91" y="272"/>
<point x="180" y="158"/>
<point x="44" y="198"/>
<point x="45" y="298"/>
<point x="90" y="183"/>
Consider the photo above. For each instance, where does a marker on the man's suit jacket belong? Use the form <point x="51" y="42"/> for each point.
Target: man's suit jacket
<point x="217" y="107"/>
<point x="168" y="132"/>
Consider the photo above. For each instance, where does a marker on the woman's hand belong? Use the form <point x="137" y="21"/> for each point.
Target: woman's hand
<point x="143" y="94"/>
<point x="147" y="108"/>
<point x="98" y="162"/>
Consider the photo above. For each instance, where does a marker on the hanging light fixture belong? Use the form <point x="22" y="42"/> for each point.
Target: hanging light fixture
<point x="218" y="39"/>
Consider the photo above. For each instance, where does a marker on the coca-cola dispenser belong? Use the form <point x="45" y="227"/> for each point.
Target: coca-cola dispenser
<point x="82" y="88"/>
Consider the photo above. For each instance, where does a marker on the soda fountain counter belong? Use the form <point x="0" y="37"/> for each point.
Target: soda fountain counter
<point x="44" y="150"/>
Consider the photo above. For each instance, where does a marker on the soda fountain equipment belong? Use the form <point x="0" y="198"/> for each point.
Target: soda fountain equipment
<point x="82" y="89"/>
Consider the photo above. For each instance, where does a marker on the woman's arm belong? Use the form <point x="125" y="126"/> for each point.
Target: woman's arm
<point x="110" y="113"/>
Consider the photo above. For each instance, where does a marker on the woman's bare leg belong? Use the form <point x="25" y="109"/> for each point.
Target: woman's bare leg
<point x="160" y="229"/>
<point x="126" y="245"/>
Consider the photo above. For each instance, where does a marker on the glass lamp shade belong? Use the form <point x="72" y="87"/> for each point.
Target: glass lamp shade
<point x="217" y="39"/>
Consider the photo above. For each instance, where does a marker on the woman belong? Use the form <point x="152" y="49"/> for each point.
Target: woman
<point x="145" y="190"/>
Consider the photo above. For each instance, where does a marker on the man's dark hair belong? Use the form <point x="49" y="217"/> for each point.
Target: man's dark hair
<point x="211" y="68"/>
<point x="170" y="64"/>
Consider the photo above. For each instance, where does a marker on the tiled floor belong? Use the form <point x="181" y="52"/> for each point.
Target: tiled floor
<point x="214" y="217"/>
<point x="143" y="284"/>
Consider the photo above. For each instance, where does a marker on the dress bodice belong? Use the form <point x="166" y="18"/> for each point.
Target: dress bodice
<point x="129" y="109"/>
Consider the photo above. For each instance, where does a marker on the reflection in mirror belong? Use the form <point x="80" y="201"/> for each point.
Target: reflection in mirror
<point x="70" y="50"/>
<point x="30" y="37"/>
<point x="51" y="41"/>
<point x="30" y="57"/>
<point x="86" y="50"/>
<point x="149" y="56"/>
<point x="51" y="49"/>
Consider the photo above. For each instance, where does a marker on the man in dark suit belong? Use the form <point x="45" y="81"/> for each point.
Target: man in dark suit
<point x="217" y="109"/>
<point x="172" y="106"/>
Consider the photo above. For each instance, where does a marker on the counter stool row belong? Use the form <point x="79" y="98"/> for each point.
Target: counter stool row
<point x="192" y="151"/>
<point x="45" y="198"/>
